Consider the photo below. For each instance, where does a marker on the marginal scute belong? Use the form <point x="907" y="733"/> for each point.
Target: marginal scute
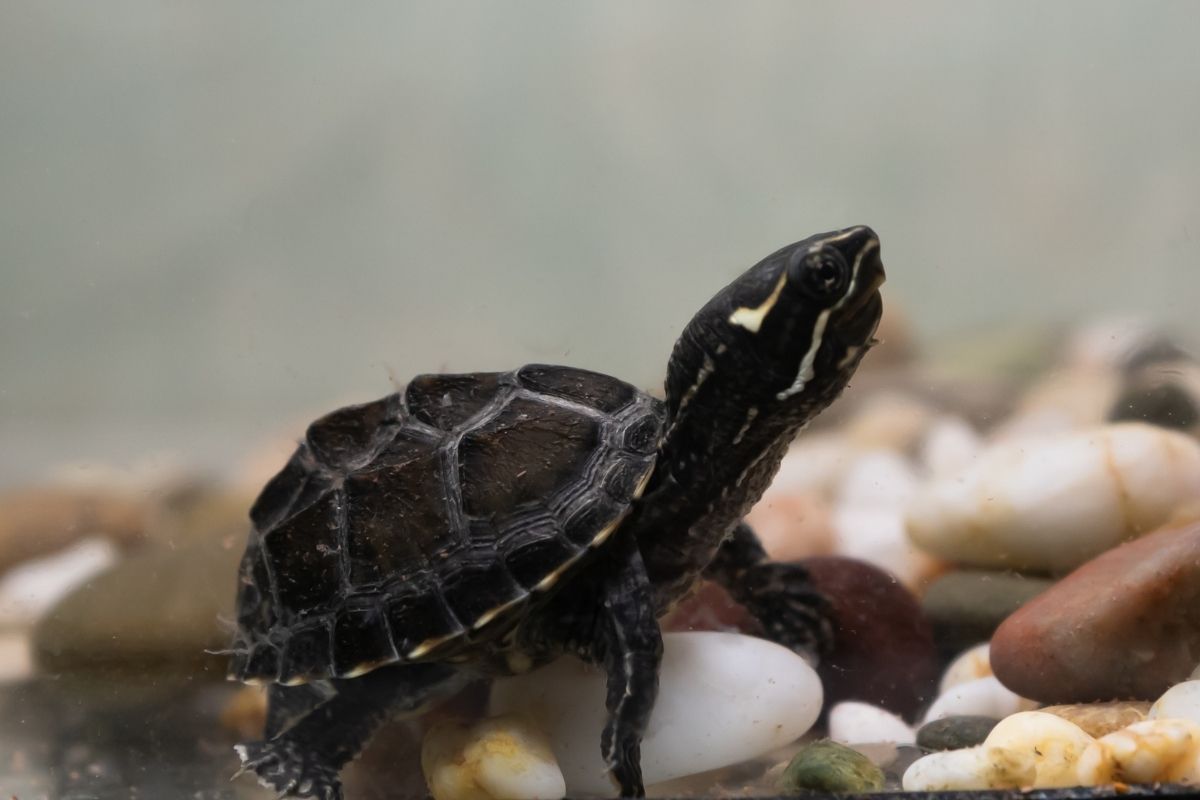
<point x="477" y="584"/>
<point x="448" y="401"/>
<point x="360" y="636"/>
<point x="303" y="556"/>
<point x="347" y="435"/>
<point x="280" y="492"/>
<point x="579" y="385"/>
<point x="306" y="655"/>
<point x="418" y="614"/>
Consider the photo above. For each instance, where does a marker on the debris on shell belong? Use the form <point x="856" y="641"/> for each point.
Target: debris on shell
<point x="502" y="758"/>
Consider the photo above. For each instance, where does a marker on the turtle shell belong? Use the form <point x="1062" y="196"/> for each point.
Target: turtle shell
<point x="412" y="527"/>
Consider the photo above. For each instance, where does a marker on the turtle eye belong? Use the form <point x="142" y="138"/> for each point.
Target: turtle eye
<point x="822" y="275"/>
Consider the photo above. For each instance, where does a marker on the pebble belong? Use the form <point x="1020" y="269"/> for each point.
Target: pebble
<point x="877" y="536"/>
<point x="955" y="733"/>
<point x="966" y="606"/>
<point x="158" y="609"/>
<point x="1098" y="719"/>
<point x="883" y="650"/>
<point x="502" y="758"/>
<point x="723" y="698"/>
<point x="949" y="447"/>
<point x="1053" y="503"/>
<point x="1124" y="626"/>
<point x="1181" y="701"/>
<point x="1155" y="750"/>
<point x="972" y="768"/>
<point x="1054" y="744"/>
<point x="1166" y="395"/>
<point x="826" y="766"/>
<point x="853" y="723"/>
<point x="889" y="420"/>
<point x="793" y="524"/>
<point x="984" y="697"/>
<point x="32" y="588"/>
<point x="969" y="665"/>
<point x="36" y="522"/>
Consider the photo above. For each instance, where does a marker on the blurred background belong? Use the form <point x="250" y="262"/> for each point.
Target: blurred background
<point x="218" y="220"/>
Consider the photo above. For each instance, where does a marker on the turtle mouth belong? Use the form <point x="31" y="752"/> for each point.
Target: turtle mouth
<point x="858" y="318"/>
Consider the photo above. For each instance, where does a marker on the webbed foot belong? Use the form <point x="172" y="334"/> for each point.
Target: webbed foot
<point x="289" y="770"/>
<point x="792" y="612"/>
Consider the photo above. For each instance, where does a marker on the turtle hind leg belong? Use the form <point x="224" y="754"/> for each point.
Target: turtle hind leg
<point x="305" y="759"/>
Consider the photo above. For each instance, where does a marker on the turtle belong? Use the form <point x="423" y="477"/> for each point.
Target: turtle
<point x="483" y="524"/>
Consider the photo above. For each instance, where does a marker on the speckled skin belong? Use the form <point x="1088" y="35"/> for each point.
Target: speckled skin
<point x="431" y="546"/>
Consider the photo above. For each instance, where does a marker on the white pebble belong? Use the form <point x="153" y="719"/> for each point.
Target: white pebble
<point x="1057" y="502"/>
<point x="1146" y="752"/>
<point x="723" y="698"/>
<point x="985" y="697"/>
<point x="878" y="479"/>
<point x="949" y="447"/>
<point x="30" y="589"/>
<point x="877" y="536"/>
<point x="854" y="723"/>
<point x="970" y="768"/>
<point x="969" y="665"/>
<point x="1054" y="744"/>
<point x="502" y="758"/>
<point x="1181" y="701"/>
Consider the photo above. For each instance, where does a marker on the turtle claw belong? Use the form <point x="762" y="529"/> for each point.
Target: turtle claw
<point x="291" y="772"/>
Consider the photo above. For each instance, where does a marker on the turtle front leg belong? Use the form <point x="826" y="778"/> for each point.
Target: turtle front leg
<point x="627" y="643"/>
<point x="305" y="759"/>
<point x="780" y="595"/>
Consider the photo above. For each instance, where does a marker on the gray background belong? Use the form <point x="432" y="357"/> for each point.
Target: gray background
<point x="217" y="219"/>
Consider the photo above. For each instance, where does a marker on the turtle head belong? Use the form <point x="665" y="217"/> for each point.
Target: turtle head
<point x="789" y="332"/>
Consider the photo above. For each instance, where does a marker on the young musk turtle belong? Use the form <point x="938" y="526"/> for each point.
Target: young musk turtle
<point x="487" y="523"/>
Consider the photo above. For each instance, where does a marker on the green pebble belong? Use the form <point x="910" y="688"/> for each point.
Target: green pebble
<point x="826" y="766"/>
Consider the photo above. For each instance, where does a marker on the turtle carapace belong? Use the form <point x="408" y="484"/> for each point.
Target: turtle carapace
<point x="486" y="523"/>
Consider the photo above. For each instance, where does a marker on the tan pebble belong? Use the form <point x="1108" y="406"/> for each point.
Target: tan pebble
<point x="1054" y="744"/>
<point x="969" y="665"/>
<point x="1098" y="719"/>
<point x="890" y="421"/>
<point x="1146" y="752"/>
<point x="980" y="767"/>
<point x="502" y="758"/>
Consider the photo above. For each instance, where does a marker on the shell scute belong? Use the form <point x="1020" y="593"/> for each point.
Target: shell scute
<point x="303" y="556"/>
<point x="578" y="385"/>
<point x="448" y="401"/>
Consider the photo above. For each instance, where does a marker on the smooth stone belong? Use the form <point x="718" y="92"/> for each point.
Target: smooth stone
<point x="826" y="766"/>
<point x="159" y="609"/>
<point x="29" y="590"/>
<point x="969" y="769"/>
<point x="889" y="421"/>
<point x="883" y="650"/>
<point x="955" y="733"/>
<point x="1054" y="744"/>
<point x="1123" y="626"/>
<point x="710" y="607"/>
<point x="983" y="697"/>
<point x="1053" y="503"/>
<point x="878" y="479"/>
<point x="876" y="535"/>
<point x="853" y="723"/>
<point x="1181" y="701"/>
<point x="723" y="698"/>
<point x="502" y="758"/>
<point x="1099" y="719"/>
<point x="970" y="665"/>
<point x="793" y="523"/>
<point x="965" y="607"/>
<point x="949" y="447"/>
<point x="38" y="521"/>
<point x="1063" y="399"/>
<point x="1162" y="394"/>
<point x="1151" y="751"/>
